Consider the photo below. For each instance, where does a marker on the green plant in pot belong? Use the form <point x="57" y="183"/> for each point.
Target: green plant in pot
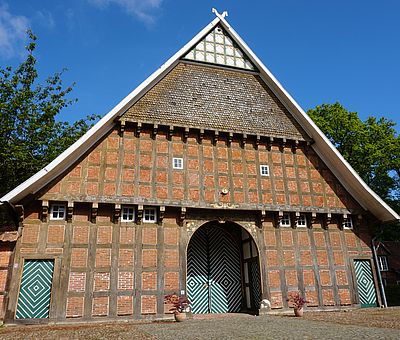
<point x="180" y="305"/>
<point x="297" y="302"/>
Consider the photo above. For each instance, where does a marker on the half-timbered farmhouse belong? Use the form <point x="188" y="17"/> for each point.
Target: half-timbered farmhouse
<point x="207" y="180"/>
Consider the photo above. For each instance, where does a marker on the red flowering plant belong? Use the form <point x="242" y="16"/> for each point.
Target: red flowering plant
<point x="296" y="300"/>
<point x="179" y="303"/>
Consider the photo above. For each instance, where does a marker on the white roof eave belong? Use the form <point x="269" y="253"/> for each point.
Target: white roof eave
<point x="341" y="169"/>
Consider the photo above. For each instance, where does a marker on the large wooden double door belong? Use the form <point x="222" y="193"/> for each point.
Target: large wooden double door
<point x="214" y="275"/>
<point x="215" y="283"/>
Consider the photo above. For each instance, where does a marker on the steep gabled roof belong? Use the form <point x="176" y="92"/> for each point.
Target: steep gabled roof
<point x="326" y="151"/>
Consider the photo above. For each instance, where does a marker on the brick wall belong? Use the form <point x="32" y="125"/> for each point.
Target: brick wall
<point x="135" y="169"/>
<point x="316" y="262"/>
<point x="125" y="268"/>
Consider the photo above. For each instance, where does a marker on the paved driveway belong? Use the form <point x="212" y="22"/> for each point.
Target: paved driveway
<point x="241" y="326"/>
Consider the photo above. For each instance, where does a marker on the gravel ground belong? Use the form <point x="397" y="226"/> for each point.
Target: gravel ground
<point x="242" y="326"/>
<point x="365" y="323"/>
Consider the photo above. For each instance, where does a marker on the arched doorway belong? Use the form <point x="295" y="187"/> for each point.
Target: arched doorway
<point x="223" y="272"/>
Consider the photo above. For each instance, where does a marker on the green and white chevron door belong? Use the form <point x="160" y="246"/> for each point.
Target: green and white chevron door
<point x="365" y="283"/>
<point x="214" y="274"/>
<point x="34" y="294"/>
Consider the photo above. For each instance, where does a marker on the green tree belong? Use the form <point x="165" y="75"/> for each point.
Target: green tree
<point x="372" y="147"/>
<point x="30" y="135"/>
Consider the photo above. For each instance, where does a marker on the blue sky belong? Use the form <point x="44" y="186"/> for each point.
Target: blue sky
<point x="320" y="51"/>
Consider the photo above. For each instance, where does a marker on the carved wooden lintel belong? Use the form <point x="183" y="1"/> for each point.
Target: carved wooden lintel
<point x="139" y="213"/>
<point x="45" y="211"/>
<point x="161" y="214"/>
<point x="94" y="211"/>
<point x="224" y="205"/>
<point x="70" y="211"/>
<point x="117" y="213"/>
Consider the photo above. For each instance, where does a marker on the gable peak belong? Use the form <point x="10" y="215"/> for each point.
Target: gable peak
<point x="219" y="15"/>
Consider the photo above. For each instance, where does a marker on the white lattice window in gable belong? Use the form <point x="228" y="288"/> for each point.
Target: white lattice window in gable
<point x="218" y="48"/>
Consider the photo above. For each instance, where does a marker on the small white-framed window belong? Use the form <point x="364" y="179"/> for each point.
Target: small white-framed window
<point x="127" y="214"/>
<point x="301" y="222"/>
<point x="285" y="220"/>
<point x="348" y="223"/>
<point x="177" y="163"/>
<point x="149" y="215"/>
<point x="57" y="211"/>
<point x="383" y="263"/>
<point x="264" y="170"/>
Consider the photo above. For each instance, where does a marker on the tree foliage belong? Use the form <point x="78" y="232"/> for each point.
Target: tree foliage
<point x="30" y="135"/>
<point x="372" y="147"/>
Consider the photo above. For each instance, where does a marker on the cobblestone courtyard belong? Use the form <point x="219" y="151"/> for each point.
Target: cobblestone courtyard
<point x="369" y="324"/>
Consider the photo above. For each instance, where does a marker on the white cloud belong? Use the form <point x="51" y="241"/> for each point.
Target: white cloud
<point x="45" y="18"/>
<point x="12" y="32"/>
<point x="139" y="8"/>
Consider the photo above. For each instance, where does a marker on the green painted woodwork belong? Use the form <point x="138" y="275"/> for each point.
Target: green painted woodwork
<point x="214" y="274"/>
<point x="365" y="283"/>
<point x="34" y="295"/>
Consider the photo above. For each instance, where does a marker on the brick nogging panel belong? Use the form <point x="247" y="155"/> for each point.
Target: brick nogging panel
<point x="124" y="269"/>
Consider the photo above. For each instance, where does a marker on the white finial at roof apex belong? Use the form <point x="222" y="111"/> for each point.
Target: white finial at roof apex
<point x="221" y="16"/>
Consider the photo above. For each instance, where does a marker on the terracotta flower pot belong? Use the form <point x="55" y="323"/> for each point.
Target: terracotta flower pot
<point x="298" y="312"/>
<point x="179" y="317"/>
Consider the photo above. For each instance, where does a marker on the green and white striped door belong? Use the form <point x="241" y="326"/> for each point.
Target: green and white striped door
<point x="34" y="294"/>
<point x="365" y="283"/>
<point x="214" y="273"/>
